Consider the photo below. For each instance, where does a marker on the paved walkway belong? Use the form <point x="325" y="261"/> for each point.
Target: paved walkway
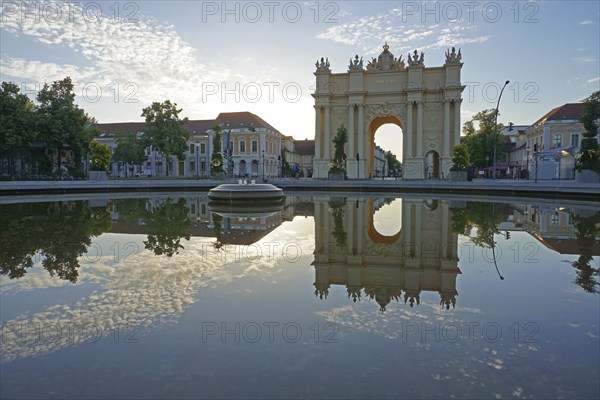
<point x="502" y="187"/>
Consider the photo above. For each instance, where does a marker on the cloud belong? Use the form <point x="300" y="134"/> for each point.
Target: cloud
<point x="596" y="79"/>
<point x="586" y="22"/>
<point x="145" y="53"/>
<point x="145" y="293"/>
<point x="581" y="60"/>
<point x="369" y="32"/>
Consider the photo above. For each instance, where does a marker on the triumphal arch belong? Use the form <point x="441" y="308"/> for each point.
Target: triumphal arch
<point x="423" y="101"/>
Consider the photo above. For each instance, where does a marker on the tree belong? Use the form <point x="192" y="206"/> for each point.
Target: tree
<point x="589" y="153"/>
<point x="61" y="234"/>
<point x="338" y="164"/>
<point x="286" y="169"/>
<point x="167" y="224"/>
<point x="216" y="164"/>
<point x="392" y="161"/>
<point x="17" y="129"/>
<point x="460" y="158"/>
<point x="165" y="131"/>
<point x="586" y="230"/>
<point x="130" y="149"/>
<point x="480" y="144"/>
<point x="99" y="156"/>
<point x="61" y="123"/>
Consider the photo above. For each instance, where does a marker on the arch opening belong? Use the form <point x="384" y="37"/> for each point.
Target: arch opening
<point x="385" y="223"/>
<point x="432" y="165"/>
<point x="385" y="135"/>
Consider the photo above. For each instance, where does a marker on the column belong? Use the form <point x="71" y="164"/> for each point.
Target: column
<point x="418" y="246"/>
<point x="360" y="146"/>
<point x="445" y="231"/>
<point x="457" y="121"/>
<point x="350" y="228"/>
<point x="318" y="133"/>
<point x="419" y="129"/>
<point x="351" y="144"/>
<point x="446" y="138"/>
<point x="408" y="151"/>
<point x="326" y="134"/>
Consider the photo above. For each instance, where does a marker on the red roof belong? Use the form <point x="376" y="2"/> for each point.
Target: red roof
<point x="566" y="111"/>
<point x="197" y="126"/>
<point x="244" y="118"/>
<point x="304" y="147"/>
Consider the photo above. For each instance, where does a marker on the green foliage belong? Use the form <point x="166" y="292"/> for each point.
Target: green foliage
<point x="17" y="124"/>
<point x="485" y="217"/>
<point x="460" y="158"/>
<point x="586" y="230"/>
<point x="589" y="153"/>
<point x="61" y="233"/>
<point x="130" y="149"/>
<point x="480" y="144"/>
<point x="392" y="161"/>
<point x="99" y="156"/>
<point x="338" y="164"/>
<point x="167" y="224"/>
<point x="164" y="130"/>
<point x="286" y="168"/>
<point x="60" y="122"/>
<point x="216" y="163"/>
<point x="339" y="233"/>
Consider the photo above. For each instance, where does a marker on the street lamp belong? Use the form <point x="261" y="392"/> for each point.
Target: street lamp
<point x="535" y="154"/>
<point x="496" y="128"/>
<point x="527" y="149"/>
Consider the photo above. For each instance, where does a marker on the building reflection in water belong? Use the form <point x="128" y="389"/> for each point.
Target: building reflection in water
<point x="421" y="256"/>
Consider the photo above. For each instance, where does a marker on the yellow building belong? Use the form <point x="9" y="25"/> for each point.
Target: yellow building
<point x="557" y="137"/>
<point x="255" y="147"/>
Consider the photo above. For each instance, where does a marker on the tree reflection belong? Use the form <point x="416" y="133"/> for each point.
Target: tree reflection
<point x="61" y="232"/>
<point x="586" y="230"/>
<point x="337" y="208"/>
<point x="167" y="225"/>
<point x="484" y="217"/>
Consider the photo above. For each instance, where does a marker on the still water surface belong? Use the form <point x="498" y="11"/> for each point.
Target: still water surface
<point x="328" y="297"/>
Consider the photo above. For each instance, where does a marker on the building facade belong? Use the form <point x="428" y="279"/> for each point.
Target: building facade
<point x="254" y="147"/>
<point x="553" y="141"/>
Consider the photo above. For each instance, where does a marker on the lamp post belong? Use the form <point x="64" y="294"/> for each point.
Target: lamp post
<point x="527" y="160"/>
<point x="535" y="154"/>
<point x="496" y="128"/>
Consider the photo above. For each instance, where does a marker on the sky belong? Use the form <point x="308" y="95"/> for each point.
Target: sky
<point x="213" y="56"/>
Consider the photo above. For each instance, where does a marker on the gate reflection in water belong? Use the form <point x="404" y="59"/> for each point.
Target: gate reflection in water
<point x="167" y="296"/>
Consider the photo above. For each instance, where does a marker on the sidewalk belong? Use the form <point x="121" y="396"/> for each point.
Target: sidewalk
<point x="502" y="187"/>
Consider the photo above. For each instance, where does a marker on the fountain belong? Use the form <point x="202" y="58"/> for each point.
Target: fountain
<point x="244" y="191"/>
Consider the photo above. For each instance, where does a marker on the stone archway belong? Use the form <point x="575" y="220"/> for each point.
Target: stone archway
<point x="431" y="165"/>
<point x="375" y="123"/>
<point x="424" y="102"/>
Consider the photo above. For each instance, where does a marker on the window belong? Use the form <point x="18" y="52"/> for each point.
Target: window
<point x="554" y="219"/>
<point x="202" y="148"/>
<point x="243" y="146"/>
<point x="192" y="148"/>
<point x="575" y="139"/>
<point x="557" y="140"/>
<point x="193" y="208"/>
<point x="254" y="146"/>
<point x="193" y="167"/>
